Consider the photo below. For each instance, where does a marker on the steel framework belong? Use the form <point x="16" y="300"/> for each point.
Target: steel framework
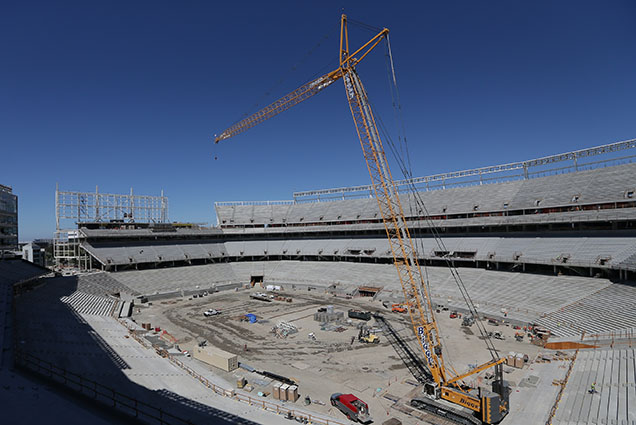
<point x="524" y="166"/>
<point x="104" y="207"/>
<point x="440" y="181"/>
<point x="74" y="208"/>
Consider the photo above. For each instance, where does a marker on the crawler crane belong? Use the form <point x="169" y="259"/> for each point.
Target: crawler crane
<point x="490" y="407"/>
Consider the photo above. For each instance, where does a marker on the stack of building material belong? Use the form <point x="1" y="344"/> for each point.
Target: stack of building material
<point x="328" y="314"/>
<point x="273" y="288"/>
<point x="283" y="329"/>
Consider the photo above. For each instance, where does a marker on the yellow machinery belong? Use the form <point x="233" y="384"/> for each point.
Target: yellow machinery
<point x="491" y="406"/>
<point x="370" y="339"/>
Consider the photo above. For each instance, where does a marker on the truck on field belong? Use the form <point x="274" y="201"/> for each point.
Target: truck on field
<point x="358" y="314"/>
<point x="398" y="308"/>
<point x="354" y="408"/>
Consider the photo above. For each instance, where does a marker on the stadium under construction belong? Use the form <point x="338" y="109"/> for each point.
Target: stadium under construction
<point x="501" y="294"/>
<point x="546" y="248"/>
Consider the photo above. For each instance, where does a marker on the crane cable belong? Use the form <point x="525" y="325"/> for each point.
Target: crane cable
<point x="405" y="153"/>
<point x="439" y="241"/>
<point x="275" y="86"/>
<point x="405" y="168"/>
<point x="362" y="25"/>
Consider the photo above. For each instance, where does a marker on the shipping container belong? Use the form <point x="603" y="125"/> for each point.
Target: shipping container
<point x="216" y="357"/>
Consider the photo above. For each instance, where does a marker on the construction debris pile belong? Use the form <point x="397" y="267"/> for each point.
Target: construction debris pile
<point x="330" y="327"/>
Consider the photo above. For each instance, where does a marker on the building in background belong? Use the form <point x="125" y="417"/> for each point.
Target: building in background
<point x="8" y="219"/>
<point x="34" y="253"/>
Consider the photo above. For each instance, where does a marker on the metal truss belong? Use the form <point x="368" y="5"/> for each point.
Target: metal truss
<point x="231" y="203"/>
<point x="525" y="166"/>
<point x="89" y="207"/>
<point x="106" y="207"/>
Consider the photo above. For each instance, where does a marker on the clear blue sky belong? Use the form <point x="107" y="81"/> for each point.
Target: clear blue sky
<point x="121" y="94"/>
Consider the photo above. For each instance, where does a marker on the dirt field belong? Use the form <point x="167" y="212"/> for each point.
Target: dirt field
<point x="330" y="363"/>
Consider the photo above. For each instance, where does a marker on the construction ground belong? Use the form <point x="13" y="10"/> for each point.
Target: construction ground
<point x="324" y="359"/>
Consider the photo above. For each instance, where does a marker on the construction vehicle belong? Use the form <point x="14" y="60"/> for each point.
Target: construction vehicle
<point x="468" y="320"/>
<point x="366" y="336"/>
<point x="398" y="308"/>
<point x="261" y="297"/>
<point x="453" y="315"/>
<point x="497" y="335"/>
<point x="354" y="408"/>
<point x="444" y="383"/>
<point x="370" y="339"/>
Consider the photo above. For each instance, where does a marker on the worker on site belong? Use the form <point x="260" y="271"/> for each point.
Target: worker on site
<point x="593" y="388"/>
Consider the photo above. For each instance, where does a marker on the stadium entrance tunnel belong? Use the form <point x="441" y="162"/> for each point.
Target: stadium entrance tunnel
<point x="256" y="279"/>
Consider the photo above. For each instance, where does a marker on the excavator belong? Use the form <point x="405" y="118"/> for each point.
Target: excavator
<point x="445" y="389"/>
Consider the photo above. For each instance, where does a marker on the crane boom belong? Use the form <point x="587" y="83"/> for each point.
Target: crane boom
<point x="492" y="405"/>
<point x="303" y="92"/>
<point x="308" y="89"/>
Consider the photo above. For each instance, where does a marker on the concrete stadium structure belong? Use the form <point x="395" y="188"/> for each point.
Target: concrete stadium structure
<point x="582" y="221"/>
<point x="551" y="246"/>
<point x="576" y="220"/>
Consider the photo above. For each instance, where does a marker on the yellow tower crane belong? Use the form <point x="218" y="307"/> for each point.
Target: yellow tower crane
<point x="491" y="406"/>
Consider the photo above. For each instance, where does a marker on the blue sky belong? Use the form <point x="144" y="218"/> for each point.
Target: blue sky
<point x="128" y="94"/>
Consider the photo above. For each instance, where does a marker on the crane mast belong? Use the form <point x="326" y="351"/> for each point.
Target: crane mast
<point x="402" y="249"/>
<point x="492" y="406"/>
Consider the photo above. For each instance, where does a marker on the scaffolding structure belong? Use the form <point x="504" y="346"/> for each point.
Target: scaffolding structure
<point x="74" y="209"/>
